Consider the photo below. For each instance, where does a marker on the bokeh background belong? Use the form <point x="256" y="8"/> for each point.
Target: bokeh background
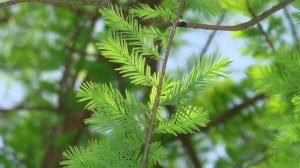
<point x="47" y="51"/>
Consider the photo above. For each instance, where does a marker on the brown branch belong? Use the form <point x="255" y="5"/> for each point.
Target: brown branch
<point x="4" y="19"/>
<point x="190" y="150"/>
<point x="159" y="87"/>
<point x="95" y="3"/>
<point x="22" y="107"/>
<point x="238" y="27"/>
<point x="92" y="21"/>
<point x="261" y="29"/>
<point x="63" y="84"/>
<point x="232" y="112"/>
<point x="69" y="43"/>
<point x="252" y="160"/>
<point x="72" y="118"/>
<point x="66" y="82"/>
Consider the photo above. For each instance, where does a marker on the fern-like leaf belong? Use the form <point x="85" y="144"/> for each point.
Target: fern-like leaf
<point x="205" y="70"/>
<point x="186" y="119"/>
<point x="156" y="154"/>
<point x="146" y="12"/>
<point x="109" y="101"/>
<point x="205" y="7"/>
<point x="132" y="31"/>
<point x="296" y="102"/>
<point x="133" y="66"/>
<point x="77" y="157"/>
<point x="102" y="98"/>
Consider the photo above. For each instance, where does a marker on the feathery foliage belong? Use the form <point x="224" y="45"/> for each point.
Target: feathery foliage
<point x="132" y="31"/>
<point x="186" y="120"/>
<point x="257" y="126"/>
<point x="281" y="79"/>
<point x="205" y="70"/>
<point x="122" y="121"/>
<point x="205" y="7"/>
<point x="133" y="65"/>
<point x="157" y="154"/>
<point x="146" y="12"/>
<point x="116" y="118"/>
<point x="108" y="104"/>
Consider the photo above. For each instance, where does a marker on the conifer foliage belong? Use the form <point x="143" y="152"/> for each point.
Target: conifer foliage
<point x="280" y="81"/>
<point x="123" y="121"/>
<point x="162" y="119"/>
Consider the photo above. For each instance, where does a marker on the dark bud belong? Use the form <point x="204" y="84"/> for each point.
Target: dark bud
<point x="182" y="24"/>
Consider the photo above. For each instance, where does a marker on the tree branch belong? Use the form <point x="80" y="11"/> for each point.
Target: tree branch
<point x="261" y="29"/>
<point x="22" y="107"/>
<point x="92" y="21"/>
<point x="95" y="3"/>
<point x="211" y="36"/>
<point x="159" y="87"/>
<point x="238" y="27"/>
<point x="73" y="119"/>
<point x="232" y="112"/>
<point x="190" y="150"/>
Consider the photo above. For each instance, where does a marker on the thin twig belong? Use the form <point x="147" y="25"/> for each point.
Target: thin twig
<point x="63" y="84"/>
<point x="268" y="40"/>
<point x="159" y="87"/>
<point x="293" y="28"/>
<point x="95" y="3"/>
<point x="238" y="27"/>
<point x="22" y="107"/>
<point x="261" y="29"/>
<point x="211" y="36"/>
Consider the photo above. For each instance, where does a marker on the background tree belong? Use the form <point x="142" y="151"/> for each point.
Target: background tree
<point x="50" y="50"/>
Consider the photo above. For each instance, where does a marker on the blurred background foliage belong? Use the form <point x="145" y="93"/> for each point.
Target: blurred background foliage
<point x="47" y="51"/>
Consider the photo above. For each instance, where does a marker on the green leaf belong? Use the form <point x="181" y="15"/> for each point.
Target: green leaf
<point x="206" y="69"/>
<point x="156" y="154"/>
<point x="297" y="4"/>
<point x="102" y="98"/>
<point x="132" y="31"/>
<point x="146" y="12"/>
<point x="205" y="7"/>
<point x="296" y="102"/>
<point x="78" y="157"/>
<point x="133" y="65"/>
<point x="187" y="119"/>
